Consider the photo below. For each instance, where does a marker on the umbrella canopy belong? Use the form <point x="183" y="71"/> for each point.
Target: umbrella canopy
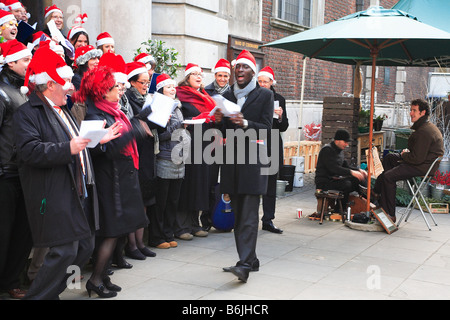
<point x="399" y="39"/>
<point x="377" y="36"/>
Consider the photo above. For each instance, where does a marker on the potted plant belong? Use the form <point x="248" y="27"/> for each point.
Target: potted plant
<point x="363" y="124"/>
<point x="439" y="181"/>
<point x="378" y="121"/>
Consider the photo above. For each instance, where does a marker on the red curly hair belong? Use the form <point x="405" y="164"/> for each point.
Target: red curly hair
<point x="95" y="84"/>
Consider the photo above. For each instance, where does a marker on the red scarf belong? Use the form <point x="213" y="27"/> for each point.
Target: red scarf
<point x="113" y="108"/>
<point x="200" y="99"/>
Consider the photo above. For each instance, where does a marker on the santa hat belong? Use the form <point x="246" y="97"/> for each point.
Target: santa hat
<point x="37" y="37"/>
<point x="104" y="38"/>
<point x="134" y="68"/>
<point x="9" y="5"/>
<point x="191" y="67"/>
<point x="247" y="58"/>
<point x="55" y="47"/>
<point x="268" y="72"/>
<point x="144" y="58"/>
<point x="85" y="53"/>
<point x="222" y="66"/>
<point x="117" y="64"/>
<point x="51" y="9"/>
<point x="5" y="17"/>
<point x="164" y="80"/>
<point x="72" y="32"/>
<point x="46" y="66"/>
<point x="13" y="50"/>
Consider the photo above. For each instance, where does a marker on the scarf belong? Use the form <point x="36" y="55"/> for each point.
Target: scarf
<point x="242" y="94"/>
<point x="113" y="108"/>
<point x="220" y="90"/>
<point x="200" y="99"/>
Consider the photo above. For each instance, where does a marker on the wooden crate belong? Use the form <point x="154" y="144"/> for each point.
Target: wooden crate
<point x="439" y="207"/>
<point x="307" y="149"/>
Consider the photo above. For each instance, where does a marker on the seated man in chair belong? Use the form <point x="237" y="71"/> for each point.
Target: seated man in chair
<point x="424" y="145"/>
<point x="333" y="171"/>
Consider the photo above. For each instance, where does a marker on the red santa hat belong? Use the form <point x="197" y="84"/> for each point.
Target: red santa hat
<point x="55" y="47"/>
<point x="9" y="5"/>
<point x="164" y="80"/>
<point x="85" y="53"/>
<point x="13" y="50"/>
<point x="268" y="72"/>
<point x="37" y="37"/>
<point x="191" y="67"/>
<point x="222" y="66"/>
<point x="104" y="38"/>
<point x="117" y="64"/>
<point x="46" y="66"/>
<point x="51" y="9"/>
<point x="135" y="68"/>
<point x="72" y="32"/>
<point x="247" y="58"/>
<point x="144" y="58"/>
<point x="5" y="17"/>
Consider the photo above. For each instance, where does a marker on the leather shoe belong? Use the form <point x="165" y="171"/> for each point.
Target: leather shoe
<point x="240" y="272"/>
<point x="270" y="227"/>
<point x="254" y="267"/>
<point x="17" y="293"/>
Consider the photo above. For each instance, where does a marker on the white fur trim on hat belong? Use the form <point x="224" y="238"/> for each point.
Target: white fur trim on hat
<point x="6" y="19"/>
<point x="146" y="59"/>
<point x="18" y="55"/>
<point x="120" y="77"/>
<point x="105" y="41"/>
<point x="53" y="10"/>
<point x="247" y="62"/>
<point x="136" y="71"/>
<point x="267" y="74"/>
<point x="222" y="69"/>
<point x="193" y="69"/>
<point x="88" y="56"/>
<point x="42" y="78"/>
<point x="164" y="83"/>
<point x="14" y="6"/>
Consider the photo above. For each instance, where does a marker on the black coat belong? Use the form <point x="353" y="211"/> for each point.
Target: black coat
<point x="246" y="178"/>
<point x="46" y="168"/>
<point x="119" y="194"/>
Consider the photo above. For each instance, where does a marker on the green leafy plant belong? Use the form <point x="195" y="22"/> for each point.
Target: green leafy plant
<point x="165" y="58"/>
<point x="381" y="117"/>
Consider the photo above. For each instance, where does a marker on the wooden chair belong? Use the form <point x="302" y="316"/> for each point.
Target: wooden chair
<point x="323" y="201"/>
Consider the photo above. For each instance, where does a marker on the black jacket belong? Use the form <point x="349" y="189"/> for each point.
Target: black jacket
<point x="10" y="100"/>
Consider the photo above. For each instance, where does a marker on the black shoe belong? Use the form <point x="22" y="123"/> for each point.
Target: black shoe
<point x="240" y="272"/>
<point x="121" y="263"/>
<point x="254" y="267"/>
<point x="100" y="290"/>
<point x="111" y="286"/>
<point x="147" y="252"/>
<point x="271" y="228"/>
<point x="135" y="254"/>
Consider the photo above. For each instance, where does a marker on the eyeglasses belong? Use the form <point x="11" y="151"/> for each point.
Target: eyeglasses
<point x="11" y="23"/>
<point x="147" y="83"/>
<point x="195" y="74"/>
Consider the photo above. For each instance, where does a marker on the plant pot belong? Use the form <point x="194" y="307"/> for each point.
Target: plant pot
<point x="377" y="125"/>
<point x="437" y="191"/>
<point x="444" y="166"/>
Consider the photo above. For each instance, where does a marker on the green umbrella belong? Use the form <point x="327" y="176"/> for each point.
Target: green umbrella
<point x="377" y="36"/>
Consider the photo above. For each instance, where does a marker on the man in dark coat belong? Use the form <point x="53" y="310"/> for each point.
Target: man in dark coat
<point x="246" y="180"/>
<point x="55" y="171"/>
<point x="424" y="146"/>
<point x="266" y="79"/>
<point x="332" y="170"/>
<point x="15" y="236"/>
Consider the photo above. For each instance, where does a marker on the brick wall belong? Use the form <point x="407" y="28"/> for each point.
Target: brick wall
<point x="326" y="78"/>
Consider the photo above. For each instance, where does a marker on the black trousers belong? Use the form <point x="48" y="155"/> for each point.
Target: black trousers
<point x="269" y="200"/>
<point x="246" y="210"/>
<point x="162" y="221"/>
<point x="15" y="234"/>
<point x="386" y="183"/>
<point x="346" y="185"/>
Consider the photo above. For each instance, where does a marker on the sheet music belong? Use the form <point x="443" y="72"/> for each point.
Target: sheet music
<point x="162" y="108"/>
<point x="227" y="107"/>
<point x="92" y="130"/>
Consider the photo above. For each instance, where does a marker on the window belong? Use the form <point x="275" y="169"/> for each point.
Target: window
<point x="296" y="11"/>
<point x="359" y="5"/>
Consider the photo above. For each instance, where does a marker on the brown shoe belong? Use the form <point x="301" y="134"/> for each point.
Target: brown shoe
<point x="17" y="293"/>
<point x="173" y="244"/>
<point x="164" y="245"/>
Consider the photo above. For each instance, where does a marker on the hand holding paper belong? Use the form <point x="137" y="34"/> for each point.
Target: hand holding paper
<point x="94" y="131"/>
<point x="227" y="107"/>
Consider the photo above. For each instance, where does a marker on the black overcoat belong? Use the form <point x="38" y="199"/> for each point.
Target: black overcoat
<point x="248" y="177"/>
<point x="54" y="208"/>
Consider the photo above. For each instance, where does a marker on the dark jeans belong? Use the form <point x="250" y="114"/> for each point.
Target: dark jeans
<point x="15" y="235"/>
<point x="386" y="183"/>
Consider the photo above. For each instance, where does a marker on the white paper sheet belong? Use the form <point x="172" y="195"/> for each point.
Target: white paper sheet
<point x="194" y="121"/>
<point x="276" y="105"/>
<point x="54" y="32"/>
<point x="162" y="108"/>
<point x="92" y="130"/>
<point x="227" y="107"/>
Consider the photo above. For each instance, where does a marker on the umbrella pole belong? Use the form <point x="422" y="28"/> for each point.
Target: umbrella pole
<point x="300" y="116"/>
<point x="374" y="54"/>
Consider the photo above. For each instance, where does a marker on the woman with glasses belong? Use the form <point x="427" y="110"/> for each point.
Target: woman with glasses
<point x="195" y="104"/>
<point x="139" y="80"/>
<point x="116" y="165"/>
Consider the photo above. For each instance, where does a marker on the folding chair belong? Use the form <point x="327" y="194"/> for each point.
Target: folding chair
<point x="416" y="193"/>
